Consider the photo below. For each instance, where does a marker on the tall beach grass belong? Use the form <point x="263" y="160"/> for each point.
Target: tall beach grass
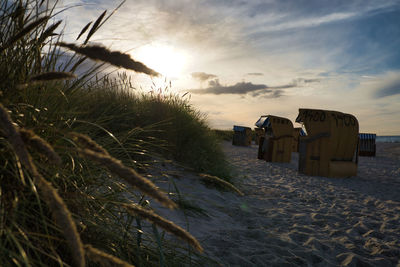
<point x="74" y="151"/>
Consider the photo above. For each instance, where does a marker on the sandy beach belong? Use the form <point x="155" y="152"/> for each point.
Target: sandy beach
<point x="290" y="219"/>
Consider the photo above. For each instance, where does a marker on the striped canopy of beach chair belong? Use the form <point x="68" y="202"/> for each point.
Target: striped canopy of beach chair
<point x="367" y="145"/>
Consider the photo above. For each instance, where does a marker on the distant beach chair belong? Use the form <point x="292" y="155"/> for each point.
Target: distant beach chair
<point x="297" y="132"/>
<point x="330" y="147"/>
<point x="367" y="145"/>
<point x="242" y="136"/>
<point x="276" y="144"/>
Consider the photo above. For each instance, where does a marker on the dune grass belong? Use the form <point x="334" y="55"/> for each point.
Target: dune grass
<point x="74" y="150"/>
<point x="226" y="135"/>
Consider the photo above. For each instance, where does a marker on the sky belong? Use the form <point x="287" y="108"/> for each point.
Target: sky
<point x="242" y="59"/>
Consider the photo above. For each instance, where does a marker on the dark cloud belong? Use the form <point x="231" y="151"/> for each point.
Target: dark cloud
<point x="311" y="80"/>
<point x="302" y="81"/>
<point x="268" y="93"/>
<point x="255" y="74"/>
<point x="255" y="90"/>
<point x="202" y="76"/>
<point x="242" y="88"/>
<point x="389" y="88"/>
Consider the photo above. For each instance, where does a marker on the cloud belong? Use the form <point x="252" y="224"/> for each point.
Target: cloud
<point x="390" y="89"/>
<point x="302" y="81"/>
<point x="202" y="76"/>
<point x="387" y="86"/>
<point x="276" y="93"/>
<point x="243" y="88"/>
<point x="255" y="90"/>
<point x="311" y="80"/>
<point x="255" y="74"/>
<point x="309" y="22"/>
<point x="277" y="16"/>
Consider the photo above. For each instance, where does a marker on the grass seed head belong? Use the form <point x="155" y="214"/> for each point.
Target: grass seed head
<point x="49" y="194"/>
<point x="84" y="30"/>
<point x="95" y="26"/>
<point x="86" y="142"/>
<point x="115" y="58"/>
<point x="51" y="76"/>
<point x="31" y="139"/>
<point x="11" y="133"/>
<point x="104" y="259"/>
<point x="129" y="175"/>
<point x="28" y="28"/>
<point x="217" y="180"/>
<point x="164" y="224"/>
<point x="63" y="219"/>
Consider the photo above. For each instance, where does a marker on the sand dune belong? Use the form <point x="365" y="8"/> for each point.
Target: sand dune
<point x="289" y="219"/>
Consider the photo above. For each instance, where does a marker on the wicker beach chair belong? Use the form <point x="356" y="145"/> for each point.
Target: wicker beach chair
<point x="276" y="145"/>
<point x="367" y="147"/>
<point x="241" y="136"/>
<point x="331" y="145"/>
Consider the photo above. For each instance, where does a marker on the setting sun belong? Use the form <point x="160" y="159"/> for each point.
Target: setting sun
<point x="164" y="59"/>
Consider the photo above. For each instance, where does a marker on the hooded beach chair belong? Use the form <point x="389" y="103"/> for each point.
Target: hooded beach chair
<point x="367" y="145"/>
<point x="276" y="145"/>
<point x="331" y="146"/>
<point x="241" y="136"/>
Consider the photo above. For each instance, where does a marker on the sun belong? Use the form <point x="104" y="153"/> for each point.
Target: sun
<point x="165" y="59"/>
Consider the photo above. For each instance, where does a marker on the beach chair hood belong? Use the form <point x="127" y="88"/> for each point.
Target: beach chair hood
<point x="278" y="147"/>
<point x="280" y="126"/>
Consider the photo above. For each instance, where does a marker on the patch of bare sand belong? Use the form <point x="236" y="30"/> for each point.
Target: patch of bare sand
<point x="290" y="219"/>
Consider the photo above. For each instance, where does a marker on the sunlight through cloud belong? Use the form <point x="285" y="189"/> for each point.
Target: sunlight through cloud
<point x="164" y="59"/>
